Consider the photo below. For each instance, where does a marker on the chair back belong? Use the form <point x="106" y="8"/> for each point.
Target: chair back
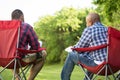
<point x="8" y="40"/>
<point x="114" y="47"/>
<point x="113" y="54"/>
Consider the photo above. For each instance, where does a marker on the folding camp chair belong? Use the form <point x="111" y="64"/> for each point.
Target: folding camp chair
<point x="9" y="51"/>
<point x="112" y="63"/>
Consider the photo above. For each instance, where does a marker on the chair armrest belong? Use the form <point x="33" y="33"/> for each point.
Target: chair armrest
<point x="30" y="51"/>
<point x="90" y="48"/>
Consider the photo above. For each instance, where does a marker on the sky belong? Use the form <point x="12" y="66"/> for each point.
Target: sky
<point x="33" y="9"/>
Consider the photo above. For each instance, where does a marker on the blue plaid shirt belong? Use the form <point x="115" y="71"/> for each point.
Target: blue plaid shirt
<point x="93" y="36"/>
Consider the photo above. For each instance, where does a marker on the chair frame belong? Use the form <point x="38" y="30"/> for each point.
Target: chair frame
<point x="107" y="68"/>
<point x="17" y="60"/>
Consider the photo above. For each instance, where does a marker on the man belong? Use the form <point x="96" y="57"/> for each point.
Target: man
<point x="94" y="34"/>
<point x="28" y="37"/>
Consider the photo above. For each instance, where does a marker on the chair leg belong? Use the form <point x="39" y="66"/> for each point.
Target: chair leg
<point x="98" y="72"/>
<point x="111" y="72"/>
<point x="84" y="72"/>
<point x="106" y="71"/>
<point x="22" y="73"/>
<point x="118" y="76"/>
<point x="89" y="74"/>
<point x="1" y="77"/>
<point x="14" y="71"/>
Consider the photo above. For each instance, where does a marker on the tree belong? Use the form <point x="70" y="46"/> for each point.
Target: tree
<point x="60" y="30"/>
<point x="110" y="10"/>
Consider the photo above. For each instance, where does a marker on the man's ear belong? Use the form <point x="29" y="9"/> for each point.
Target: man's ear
<point x="22" y="18"/>
<point x="91" y="23"/>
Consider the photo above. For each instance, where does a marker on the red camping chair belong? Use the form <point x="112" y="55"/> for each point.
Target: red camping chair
<point x="112" y="63"/>
<point x="9" y="39"/>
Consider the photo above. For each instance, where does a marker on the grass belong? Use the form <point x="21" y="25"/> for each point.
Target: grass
<point x="52" y="72"/>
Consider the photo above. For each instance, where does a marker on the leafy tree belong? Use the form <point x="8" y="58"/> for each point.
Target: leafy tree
<point x="110" y="9"/>
<point x="60" y="30"/>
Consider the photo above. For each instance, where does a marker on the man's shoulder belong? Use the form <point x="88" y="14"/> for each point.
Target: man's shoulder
<point x="89" y="28"/>
<point x="26" y="25"/>
<point x="23" y="23"/>
<point x="98" y="24"/>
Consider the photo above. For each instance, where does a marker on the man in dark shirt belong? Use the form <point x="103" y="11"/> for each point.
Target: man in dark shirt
<point x="28" y="37"/>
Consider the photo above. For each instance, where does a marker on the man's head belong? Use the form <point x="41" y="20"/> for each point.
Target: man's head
<point x="17" y="15"/>
<point x="92" y="18"/>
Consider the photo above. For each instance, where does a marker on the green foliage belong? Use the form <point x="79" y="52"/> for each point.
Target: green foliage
<point x="60" y="30"/>
<point x="110" y="9"/>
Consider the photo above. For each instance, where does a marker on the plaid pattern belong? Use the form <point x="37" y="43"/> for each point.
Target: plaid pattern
<point x="28" y="36"/>
<point x="93" y="36"/>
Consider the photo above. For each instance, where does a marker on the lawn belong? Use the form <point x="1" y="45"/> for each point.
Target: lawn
<point x="52" y="72"/>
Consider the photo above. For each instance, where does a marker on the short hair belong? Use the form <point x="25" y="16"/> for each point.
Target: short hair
<point x="94" y="17"/>
<point x="16" y="14"/>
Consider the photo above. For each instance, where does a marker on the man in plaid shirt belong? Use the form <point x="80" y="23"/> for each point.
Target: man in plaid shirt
<point x="28" y="37"/>
<point x="93" y="35"/>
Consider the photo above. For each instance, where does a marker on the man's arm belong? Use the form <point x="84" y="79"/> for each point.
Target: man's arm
<point x="33" y="39"/>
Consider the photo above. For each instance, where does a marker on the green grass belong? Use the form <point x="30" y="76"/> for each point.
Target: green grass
<point x="52" y="72"/>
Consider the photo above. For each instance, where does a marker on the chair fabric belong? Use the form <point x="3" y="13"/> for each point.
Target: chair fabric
<point x="112" y="60"/>
<point x="8" y="40"/>
<point x="114" y="48"/>
<point x="8" y="35"/>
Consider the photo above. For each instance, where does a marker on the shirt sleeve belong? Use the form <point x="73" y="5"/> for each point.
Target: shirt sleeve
<point x="85" y="39"/>
<point x="33" y="39"/>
